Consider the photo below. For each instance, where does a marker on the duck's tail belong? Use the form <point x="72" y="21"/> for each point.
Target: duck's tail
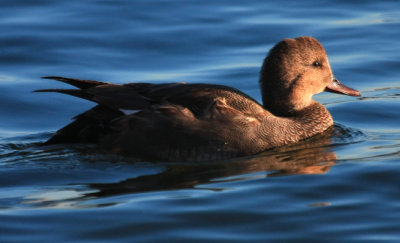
<point x="79" y="83"/>
<point x="89" y="126"/>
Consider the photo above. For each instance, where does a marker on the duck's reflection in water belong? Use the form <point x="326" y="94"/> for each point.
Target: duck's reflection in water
<point x="312" y="156"/>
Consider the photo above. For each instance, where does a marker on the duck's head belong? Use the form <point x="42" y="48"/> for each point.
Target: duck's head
<point x="295" y="70"/>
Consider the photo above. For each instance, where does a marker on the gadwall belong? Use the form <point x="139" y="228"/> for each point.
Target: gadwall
<point x="197" y="122"/>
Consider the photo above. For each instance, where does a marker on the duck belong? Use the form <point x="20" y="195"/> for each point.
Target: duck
<point x="205" y="122"/>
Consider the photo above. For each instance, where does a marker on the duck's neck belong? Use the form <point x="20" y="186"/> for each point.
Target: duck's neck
<point x="287" y="104"/>
<point x="299" y="125"/>
<point x="278" y="106"/>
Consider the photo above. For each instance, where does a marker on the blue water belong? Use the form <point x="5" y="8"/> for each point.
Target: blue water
<point x="343" y="187"/>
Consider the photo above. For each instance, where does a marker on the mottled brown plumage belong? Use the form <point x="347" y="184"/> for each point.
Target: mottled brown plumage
<point x="195" y="122"/>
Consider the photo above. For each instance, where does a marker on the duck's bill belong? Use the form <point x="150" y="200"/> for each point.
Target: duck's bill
<point x="336" y="87"/>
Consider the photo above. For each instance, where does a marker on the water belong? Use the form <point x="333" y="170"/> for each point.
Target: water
<point x="343" y="187"/>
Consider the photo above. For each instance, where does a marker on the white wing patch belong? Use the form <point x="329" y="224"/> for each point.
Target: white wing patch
<point x="129" y="112"/>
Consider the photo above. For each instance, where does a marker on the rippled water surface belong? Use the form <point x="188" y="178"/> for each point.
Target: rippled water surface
<point x="340" y="186"/>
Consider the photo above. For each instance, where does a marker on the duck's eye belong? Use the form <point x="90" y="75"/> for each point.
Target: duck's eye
<point x="317" y="64"/>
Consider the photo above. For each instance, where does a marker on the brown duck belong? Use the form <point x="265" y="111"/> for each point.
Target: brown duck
<point x="194" y="122"/>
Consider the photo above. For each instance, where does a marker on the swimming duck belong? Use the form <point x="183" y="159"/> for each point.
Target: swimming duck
<point x="198" y="122"/>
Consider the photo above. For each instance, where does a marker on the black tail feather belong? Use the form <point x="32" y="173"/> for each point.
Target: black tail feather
<point x="79" y="83"/>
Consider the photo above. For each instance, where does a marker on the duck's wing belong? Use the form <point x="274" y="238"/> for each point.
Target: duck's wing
<point x="132" y="97"/>
<point x="172" y="132"/>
